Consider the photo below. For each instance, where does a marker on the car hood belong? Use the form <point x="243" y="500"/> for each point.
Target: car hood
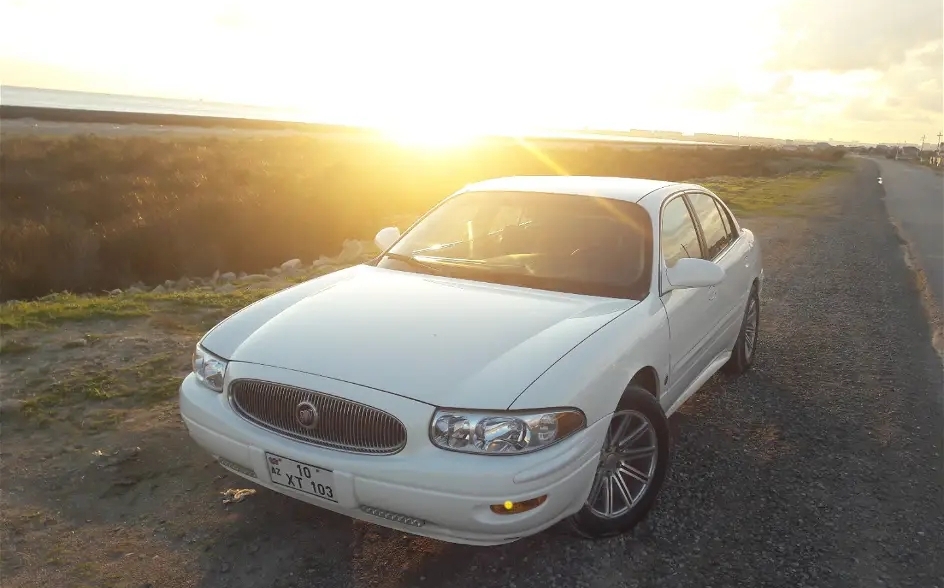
<point x="438" y="340"/>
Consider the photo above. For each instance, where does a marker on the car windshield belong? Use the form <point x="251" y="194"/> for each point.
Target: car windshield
<point x="565" y="243"/>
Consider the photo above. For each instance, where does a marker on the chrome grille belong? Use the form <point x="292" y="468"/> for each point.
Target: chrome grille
<point x="341" y="424"/>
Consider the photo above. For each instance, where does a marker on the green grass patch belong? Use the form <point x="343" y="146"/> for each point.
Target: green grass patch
<point x="182" y="311"/>
<point x="790" y="194"/>
<point x="59" y="308"/>
<point x="68" y="307"/>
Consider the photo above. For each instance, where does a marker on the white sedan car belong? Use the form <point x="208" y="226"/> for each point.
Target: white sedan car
<point x="507" y="363"/>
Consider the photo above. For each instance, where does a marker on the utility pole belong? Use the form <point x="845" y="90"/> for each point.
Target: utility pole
<point x="922" y="143"/>
<point x="939" y="135"/>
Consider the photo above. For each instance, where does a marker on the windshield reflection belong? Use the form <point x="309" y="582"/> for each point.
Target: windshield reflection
<point x="565" y="243"/>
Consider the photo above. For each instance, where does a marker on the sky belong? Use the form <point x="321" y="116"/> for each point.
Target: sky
<point x="866" y="70"/>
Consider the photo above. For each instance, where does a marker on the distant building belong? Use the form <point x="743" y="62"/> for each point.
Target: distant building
<point x="908" y="153"/>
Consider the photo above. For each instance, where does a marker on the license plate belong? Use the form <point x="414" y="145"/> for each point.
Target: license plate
<point x="302" y="477"/>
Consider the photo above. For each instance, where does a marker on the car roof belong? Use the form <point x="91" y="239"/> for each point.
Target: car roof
<point x="628" y="189"/>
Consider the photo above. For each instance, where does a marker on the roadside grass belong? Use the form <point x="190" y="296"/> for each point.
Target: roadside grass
<point x="180" y="311"/>
<point x="198" y="309"/>
<point x="66" y="307"/>
<point x="791" y="194"/>
<point x="140" y="384"/>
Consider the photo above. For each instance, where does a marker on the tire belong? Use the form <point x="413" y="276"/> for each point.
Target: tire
<point x="742" y="356"/>
<point x="636" y="406"/>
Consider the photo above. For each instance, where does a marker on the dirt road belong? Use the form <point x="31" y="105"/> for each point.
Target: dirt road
<point x="822" y="467"/>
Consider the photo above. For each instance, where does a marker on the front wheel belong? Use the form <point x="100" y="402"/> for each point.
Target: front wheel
<point x="632" y="467"/>
<point x="742" y="356"/>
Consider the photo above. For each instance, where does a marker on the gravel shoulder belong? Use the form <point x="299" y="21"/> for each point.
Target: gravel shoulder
<point x="821" y="467"/>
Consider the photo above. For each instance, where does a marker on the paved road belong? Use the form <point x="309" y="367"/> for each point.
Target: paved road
<point x="914" y="196"/>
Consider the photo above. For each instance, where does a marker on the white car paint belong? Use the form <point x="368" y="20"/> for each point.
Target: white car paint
<point x="400" y="332"/>
<point x="407" y="343"/>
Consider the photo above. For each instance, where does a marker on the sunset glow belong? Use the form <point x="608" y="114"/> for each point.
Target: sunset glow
<point x="436" y="73"/>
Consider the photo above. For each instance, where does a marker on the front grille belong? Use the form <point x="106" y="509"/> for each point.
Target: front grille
<point x="339" y="424"/>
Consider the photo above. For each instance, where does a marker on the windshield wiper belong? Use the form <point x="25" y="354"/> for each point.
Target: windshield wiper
<point x="410" y="260"/>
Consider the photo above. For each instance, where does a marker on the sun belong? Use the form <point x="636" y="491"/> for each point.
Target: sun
<point x="427" y="135"/>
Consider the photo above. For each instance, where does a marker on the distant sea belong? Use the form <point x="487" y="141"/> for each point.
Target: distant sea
<point x="18" y="96"/>
<point x="69" y="99"/>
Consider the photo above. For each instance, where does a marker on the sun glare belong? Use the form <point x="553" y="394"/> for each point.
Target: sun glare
<point x="430" y="136"/>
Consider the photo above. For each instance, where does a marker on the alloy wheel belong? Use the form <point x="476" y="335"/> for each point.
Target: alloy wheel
<point x="627" y="465"/>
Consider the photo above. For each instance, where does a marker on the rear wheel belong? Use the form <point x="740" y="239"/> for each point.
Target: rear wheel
<point x="742" y="356"/>
<point x="632" y="468"/>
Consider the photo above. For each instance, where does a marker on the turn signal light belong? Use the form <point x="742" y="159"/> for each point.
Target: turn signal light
<point x="510" y="507"/>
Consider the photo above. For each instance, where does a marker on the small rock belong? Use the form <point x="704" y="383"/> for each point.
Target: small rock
<point x="322" y="260"/>
<point x="215" y="278"/>
<point x="158" y="289"/>
<point x="116" y="457"/>
<point x="292" y="264"/>
<point x="80" y="342"/>
<point x="350" y="251"/>
<point x="254" y="278"/>
<point x="168" y="284"/>
<point x="10" y="405"/>
<point x="227" y="277"/>
<point x="115" y="292"/>
<point x="241" y="275"/>
<point x="224" y="567"/>
<point x="274" y="271"/>
<point x="184" y="283"/>
<point x="225" y="288"/>
<point x="133" y="290"/>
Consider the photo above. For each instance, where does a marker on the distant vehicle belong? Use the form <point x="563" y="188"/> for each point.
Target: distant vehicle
<point x="507" y="363"/>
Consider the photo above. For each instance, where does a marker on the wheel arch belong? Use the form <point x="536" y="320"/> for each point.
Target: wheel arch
<point x="647" y="378"/>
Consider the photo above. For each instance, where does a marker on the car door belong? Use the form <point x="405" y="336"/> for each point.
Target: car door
<point x="690" y="311"/>
<point x="720" y="246"/>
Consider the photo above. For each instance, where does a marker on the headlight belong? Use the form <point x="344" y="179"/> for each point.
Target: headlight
<point x="502" y="432"/>
<point x="209" y="369"/>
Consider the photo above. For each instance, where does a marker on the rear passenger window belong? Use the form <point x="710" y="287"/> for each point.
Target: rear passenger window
<point x="679" y="238"/>
<point x="725" y="220"/>
<point x="728" y="222"/>
<point x="717" y="236"/>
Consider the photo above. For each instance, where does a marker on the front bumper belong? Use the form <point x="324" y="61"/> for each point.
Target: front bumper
<point x="449" y="493"/>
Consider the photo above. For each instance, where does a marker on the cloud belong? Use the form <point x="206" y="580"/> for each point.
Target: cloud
<point x="841" y="36"/>
<point x="783" y="84"/>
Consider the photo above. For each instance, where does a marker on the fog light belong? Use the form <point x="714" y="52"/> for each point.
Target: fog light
<point x="510" y="507"/>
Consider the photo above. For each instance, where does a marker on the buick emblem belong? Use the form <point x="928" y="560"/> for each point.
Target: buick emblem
<point x="306" y="415"/>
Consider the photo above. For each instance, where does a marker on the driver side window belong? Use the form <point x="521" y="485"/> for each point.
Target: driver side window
<point x="678" y="235"/>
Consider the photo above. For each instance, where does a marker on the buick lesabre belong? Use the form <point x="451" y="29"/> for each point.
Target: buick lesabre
<point x="506" y="364"/>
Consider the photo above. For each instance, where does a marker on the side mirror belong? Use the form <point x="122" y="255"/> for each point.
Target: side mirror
<point x="689" y="272"/>
<point x="386" y="237"/>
